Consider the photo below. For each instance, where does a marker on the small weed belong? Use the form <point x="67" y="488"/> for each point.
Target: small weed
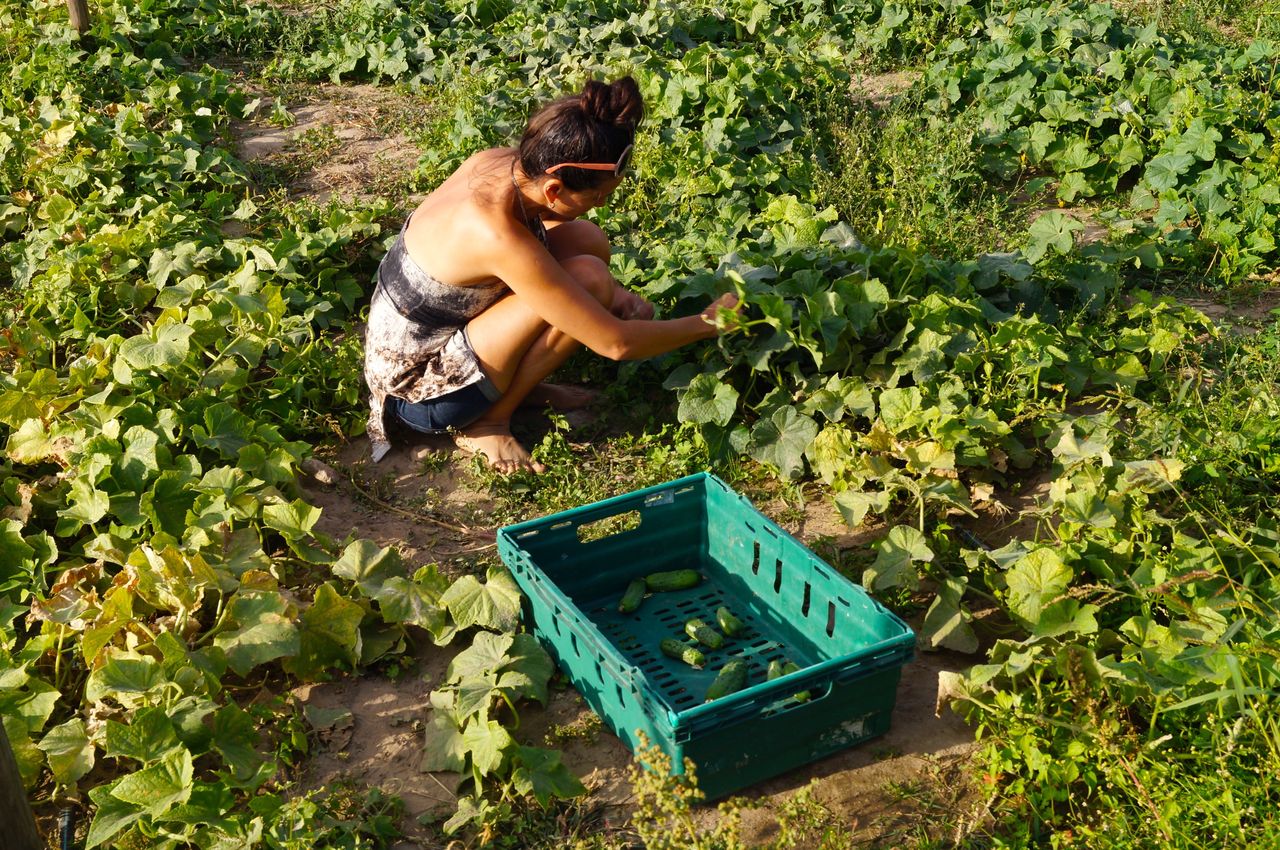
<point x="586" y="727"/>
<point x="280" y="116"/>
<point x="433" y="461"/>
<point x="312" y="146"/>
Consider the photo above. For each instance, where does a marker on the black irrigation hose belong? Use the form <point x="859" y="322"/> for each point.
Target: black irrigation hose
<point x="67" y="828"/>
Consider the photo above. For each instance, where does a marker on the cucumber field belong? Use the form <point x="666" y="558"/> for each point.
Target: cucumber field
<point x="1008" y="358"/>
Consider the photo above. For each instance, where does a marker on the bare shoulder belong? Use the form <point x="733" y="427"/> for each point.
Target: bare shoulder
<point x="465" y="231"/>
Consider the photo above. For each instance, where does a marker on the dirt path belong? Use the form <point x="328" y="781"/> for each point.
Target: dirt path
<point x="351" y="141"/>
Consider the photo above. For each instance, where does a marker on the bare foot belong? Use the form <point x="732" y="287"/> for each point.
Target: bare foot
<point x="560" y="396"/>
<point x="494" y="441"/>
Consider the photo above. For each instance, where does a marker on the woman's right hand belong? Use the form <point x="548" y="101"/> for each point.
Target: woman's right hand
<point x="728" y="301"/>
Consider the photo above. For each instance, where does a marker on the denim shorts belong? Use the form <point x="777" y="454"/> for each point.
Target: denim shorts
<point x="456" y="409"/>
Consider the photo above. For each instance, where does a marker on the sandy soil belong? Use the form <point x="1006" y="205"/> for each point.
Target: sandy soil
<point x="338" y="144"/>
<point x="879" y="89"/>
<point x="1242" y="313"/>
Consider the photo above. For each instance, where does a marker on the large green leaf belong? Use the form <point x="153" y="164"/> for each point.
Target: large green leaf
<point x="262" y="630"/>
<point x="445" y="748"/>
<point x="148" y="736"/>
<point x="111" y="815"/>
<point x="487" y="654"/>
<point x="708" y="398"/>
<point x="1037" y="579"/>
<point x="854" y="505"/>
<point x="27" y="755"/>
<point x="841" y="396"/>
<point x="226" y="430"/>
<point x="166" y="504"/>
<point x="294" y="520"/>
<point x="946" y="623"/>
<point x="163" y="346"/>
<point x="782" y="439"/>
<point x="541" y="773"/>
<point x="900" y="408"/>
<point x="475" y="692"/>
<point x="235" y="736"/>
<point x="416" y="603"/>
<point x="901" y="549"/>
<point x="158" y="787"/>
<point x="492" y="605"/>
<point x="16" y="554"/>
<point x="1165" y="171"/>
<point x="527" y="670"/>
<point x="115" y="614"/>
<point x="124" y="677"/>
<point x="368" y="565"/>
<point x="486" y="742"/>
<point x="1066" y="615"/>
<point x="329" y="635"/>
<point x="69" y="751"/>
<point x="1054" y="230"/>
<point x="85" y="503"/>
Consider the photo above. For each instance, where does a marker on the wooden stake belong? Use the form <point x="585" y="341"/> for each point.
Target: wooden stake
<point x="15" y="812"/>
<point x="79" y="10"/>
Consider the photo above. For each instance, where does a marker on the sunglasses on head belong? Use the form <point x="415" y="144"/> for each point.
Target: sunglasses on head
<point x="617" y="168"/>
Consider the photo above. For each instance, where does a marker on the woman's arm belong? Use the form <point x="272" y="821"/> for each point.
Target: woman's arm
<point x="532" y="273"/>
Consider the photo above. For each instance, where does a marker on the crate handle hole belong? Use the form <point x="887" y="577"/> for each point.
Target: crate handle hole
<point x="831" y="619"/>
<point x="804" y="606"/>
<point x="599" y="529"/>
<point x="777" y="576"/>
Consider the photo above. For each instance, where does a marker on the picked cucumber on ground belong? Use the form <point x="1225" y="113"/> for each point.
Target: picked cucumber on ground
<point x="732" y="678"/>
<point x="778" y="669"/>
<point x="672" y="580"/>
<point x="633" y="596"/>
<point x="728" y="623"/>
<point x="690" y="655"/>
<point x="704" y="634"/>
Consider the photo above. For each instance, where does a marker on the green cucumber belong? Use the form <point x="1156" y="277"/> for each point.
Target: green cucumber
<point x="690" y="655"/>
<point x="704" y="634"/>
<point x="778" y="669"/>
<point x="732" y="677"/>
<point x="633" y="596"/>
<point x="728" y="623"/>
<point x="672" y="580"/>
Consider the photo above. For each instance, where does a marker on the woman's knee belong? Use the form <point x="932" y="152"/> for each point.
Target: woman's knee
<point x="593" y="275"/>
<point x="579" y="237"/>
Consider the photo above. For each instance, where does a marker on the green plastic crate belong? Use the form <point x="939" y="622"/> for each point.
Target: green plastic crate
<point x="850" y="648"/>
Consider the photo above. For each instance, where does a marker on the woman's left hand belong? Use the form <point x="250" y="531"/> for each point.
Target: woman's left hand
<point x="627" y="305"/>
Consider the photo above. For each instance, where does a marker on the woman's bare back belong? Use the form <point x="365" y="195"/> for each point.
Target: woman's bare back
<point x="460" y="216"/>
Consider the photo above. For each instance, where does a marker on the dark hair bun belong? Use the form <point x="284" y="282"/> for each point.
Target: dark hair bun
<point x="617" y="103"/>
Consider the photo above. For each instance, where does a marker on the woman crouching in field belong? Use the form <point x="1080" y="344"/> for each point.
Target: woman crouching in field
<point x="494" y="281"/>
